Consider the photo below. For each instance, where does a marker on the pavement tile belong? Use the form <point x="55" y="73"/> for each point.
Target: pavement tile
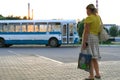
<point x="31" y="67"/>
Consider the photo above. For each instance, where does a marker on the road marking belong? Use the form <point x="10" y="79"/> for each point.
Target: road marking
<point x="10" y="51"/>
<point x="50" y="59"/>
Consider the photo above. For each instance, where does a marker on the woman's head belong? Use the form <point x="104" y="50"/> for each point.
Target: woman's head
<point x="91" y="9"/>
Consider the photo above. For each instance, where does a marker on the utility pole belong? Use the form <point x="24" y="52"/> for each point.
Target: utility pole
<point x="28" y="11"/>
<point x="97" y="4"/>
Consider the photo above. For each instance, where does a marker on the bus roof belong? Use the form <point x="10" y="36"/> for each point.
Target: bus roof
<point x="33" y="21"/>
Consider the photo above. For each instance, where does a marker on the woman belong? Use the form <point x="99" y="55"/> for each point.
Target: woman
<point x="90" y="40"/>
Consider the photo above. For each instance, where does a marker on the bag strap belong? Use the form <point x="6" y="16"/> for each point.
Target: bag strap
<point x="101" y="23"/>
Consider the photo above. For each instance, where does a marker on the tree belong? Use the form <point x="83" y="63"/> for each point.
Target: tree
<point x="11" y="17"/>
<point x="119" y="32"/>
<point x="113" y="31"/>
<point x="80" y="27"/>
<point x="25" y="17"/>
<point x="1" y="17"/>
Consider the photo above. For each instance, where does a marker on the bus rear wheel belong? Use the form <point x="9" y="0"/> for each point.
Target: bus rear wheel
<point x="53" y="42"/>
<point x="1" y="42"/>
<point x="7" y="45"/>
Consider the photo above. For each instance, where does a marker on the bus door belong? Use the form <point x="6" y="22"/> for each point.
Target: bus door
<point x="71" y="33"/>
<point x="67" y="34"/>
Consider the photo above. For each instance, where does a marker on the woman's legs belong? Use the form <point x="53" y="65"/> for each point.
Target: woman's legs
<point x="94" y="66"/>
<point x="91" y="69"/>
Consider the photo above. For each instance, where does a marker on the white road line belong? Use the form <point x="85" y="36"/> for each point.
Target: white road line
<point x="10" y="51"/>
<point x="50" y="59"/>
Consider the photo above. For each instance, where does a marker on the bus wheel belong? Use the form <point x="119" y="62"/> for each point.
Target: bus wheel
<point x="1" y="42"/>
<point x="53" y="42"/>
<point x="46" y="45"/>
<point x="58" y="45"/>
<point x="8" y="45"/>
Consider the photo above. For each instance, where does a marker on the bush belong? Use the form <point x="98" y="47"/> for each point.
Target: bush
<point x="114" y="31"/>
<point x="106" y="42"/>
<point x="80" y="27"/>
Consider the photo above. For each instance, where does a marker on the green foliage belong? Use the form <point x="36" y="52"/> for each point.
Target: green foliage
<point x="1" y="17"/>
<point x="25" y="17"/>
<point x="11" y="17"/>
<point x="106" y="42"/>
<point x="80" y="27"/>
<point x="119" y="32"/>
<point x="113" y="31"/>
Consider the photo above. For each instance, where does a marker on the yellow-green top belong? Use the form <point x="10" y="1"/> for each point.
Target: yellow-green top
<point x="95" y="22"/>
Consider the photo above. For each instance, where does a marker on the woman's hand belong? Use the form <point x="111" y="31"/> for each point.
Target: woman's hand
<point x="84" y="46"/>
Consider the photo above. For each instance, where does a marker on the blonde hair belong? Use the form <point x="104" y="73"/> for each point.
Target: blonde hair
<point x="92" y="8"/>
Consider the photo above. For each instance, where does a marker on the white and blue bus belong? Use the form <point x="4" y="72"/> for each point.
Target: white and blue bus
<point x="49" y="32"/>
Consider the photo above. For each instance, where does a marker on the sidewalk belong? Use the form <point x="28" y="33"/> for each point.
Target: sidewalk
<point x="32" y="67"/>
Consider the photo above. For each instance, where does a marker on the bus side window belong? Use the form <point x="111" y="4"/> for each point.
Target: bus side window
<point x="5" y="27"/>
<point x="50" y="29"/>
<point x="37" y="27"/>
<point x="43" y="27"/>
<point x="11" y="27"/>
<point x="54" y="27"/>
<point x="24" y="27"/>
<point x="30" y="27"/>
<point x="57" y="27"/>
<point x="18" y="28"/>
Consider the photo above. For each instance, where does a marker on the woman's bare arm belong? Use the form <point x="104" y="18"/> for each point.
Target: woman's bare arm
<point x="85" y="35"/>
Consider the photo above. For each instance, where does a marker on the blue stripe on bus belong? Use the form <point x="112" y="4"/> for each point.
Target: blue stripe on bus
<point x="26" y="41"/>
<point x="55" y="32"/>
<point x="21" y="33"/>
<point x="29" y="42"/>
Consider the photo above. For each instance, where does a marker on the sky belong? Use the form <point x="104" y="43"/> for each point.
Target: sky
<point x="61" y="9"/>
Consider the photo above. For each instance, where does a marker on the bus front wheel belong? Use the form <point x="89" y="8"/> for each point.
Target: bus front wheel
<point x="53" y="42"/>
<point x="1" y="42"/>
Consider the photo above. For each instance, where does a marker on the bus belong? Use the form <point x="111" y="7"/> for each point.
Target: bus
<point x="52" y="33"/>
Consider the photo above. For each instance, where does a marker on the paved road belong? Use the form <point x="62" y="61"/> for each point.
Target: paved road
<point x="44" y="63"/>
<point x="62" y="54"/>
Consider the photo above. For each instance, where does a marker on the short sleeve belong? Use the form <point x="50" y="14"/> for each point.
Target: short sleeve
<point x="88" y="20"/>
